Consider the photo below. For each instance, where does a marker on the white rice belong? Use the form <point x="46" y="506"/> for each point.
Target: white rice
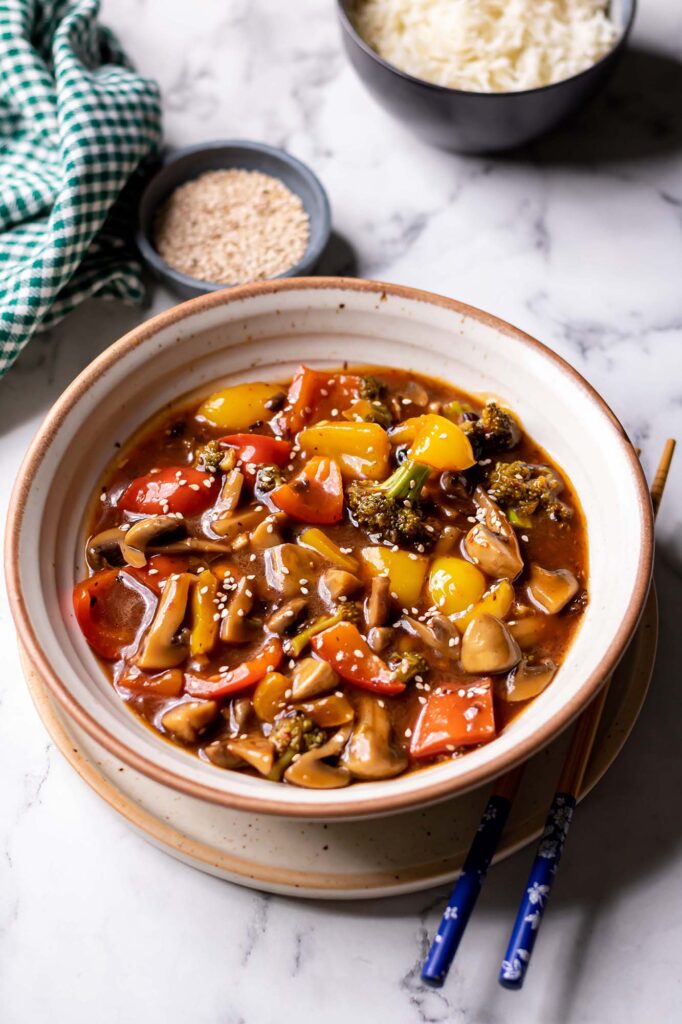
<point x="487" y="45"/>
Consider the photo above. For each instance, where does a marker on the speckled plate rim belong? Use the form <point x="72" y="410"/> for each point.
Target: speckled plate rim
<point x="328" y="885"/>
<point x="394" y="800"/>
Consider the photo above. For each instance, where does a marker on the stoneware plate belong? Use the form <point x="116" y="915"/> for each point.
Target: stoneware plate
<point x="262" y="332"/>
<point x="343" y="860"/>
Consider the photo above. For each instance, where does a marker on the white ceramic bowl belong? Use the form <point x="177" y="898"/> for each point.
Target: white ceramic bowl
<point x="263" y="331"/>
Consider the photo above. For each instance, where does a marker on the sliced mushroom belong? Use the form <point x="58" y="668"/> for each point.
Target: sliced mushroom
<point x="336" y="583"/>
<point x="219" y="755"/>
<point x="162" y="648"/>
<point x="186" y="721"/>
<point x="135" y="540"/>
<point x="105" y="548"/>
<point x="527" y="680"/>
<point x="311" y="771"/>
<point x="379" y="637"/>
<point x="445" y="631"/>
<point x="488" y="647"/>
<point x="233" y="525"/>
<point x="493" y="554"/>
<point x="370" y="752"/>
<point x="378" y="604"/>
<point x="285" y="616"/>
<point x="551" y="589"/>
<point x="267" y="534"/>
<point x="495" y="519"/>
<point x="230" y="493"/>
<point x="528" y="631"/>
<point x="436" y="637"/>
<point x="237" y="715"/>
<point x="233" y="627"/>
<point x="256" y="750"/>
<point x="449" y="541"/>
<point x="286" y="565"/>
<point x="492" y="545"/>
<point x="312" y="677"/>
<point x="416" y="394"/>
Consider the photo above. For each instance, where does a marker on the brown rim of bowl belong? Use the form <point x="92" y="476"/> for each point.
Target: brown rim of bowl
<point x="359" y="807"/>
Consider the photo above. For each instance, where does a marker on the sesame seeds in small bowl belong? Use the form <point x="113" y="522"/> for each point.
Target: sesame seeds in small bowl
<point x="228" y="213"/>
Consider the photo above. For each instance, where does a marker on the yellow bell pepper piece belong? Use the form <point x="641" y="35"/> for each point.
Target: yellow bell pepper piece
<point x="441" y="444"/>
<point x="320" y="542"/>
<point x="237" y="407"/>
<point x="204" y="628"/>
<point x="360" y="411"/>
<point x="361" y="449"/>
<point x="455" y="584"/>
<point x="329" y="711"/>
<point x="406" y="572"/>
<point x="269" y="696"/>
<point x="497" y="601"/>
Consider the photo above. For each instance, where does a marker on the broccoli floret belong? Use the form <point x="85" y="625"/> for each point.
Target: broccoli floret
<point x="524" y="489"/>
<point x="293" y="734"/>
<point x="210" y="457"/>
<point x="392" y="511"/>
<point x="374" y="393"/>
<point x="348" y="611"/>
<point x="297" y="733"/>
<point x="267" y="478"/>
<point x="456" y="411"/>
<point x="372" y="389"/>
<point x="408" y="665"/>
<point x="494" y="431"/>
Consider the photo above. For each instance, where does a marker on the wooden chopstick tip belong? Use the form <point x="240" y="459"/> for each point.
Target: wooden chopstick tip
<point x="661" y="474"/>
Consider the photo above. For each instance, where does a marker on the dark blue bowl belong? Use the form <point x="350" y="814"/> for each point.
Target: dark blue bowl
<point x="185" y="164"/>
<point x="476" y="122"/>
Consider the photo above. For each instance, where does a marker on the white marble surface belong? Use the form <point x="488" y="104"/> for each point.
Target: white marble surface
<point x="579" y="241"/>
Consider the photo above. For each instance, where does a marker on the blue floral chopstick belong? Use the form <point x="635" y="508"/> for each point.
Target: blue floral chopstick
<point x="544" y="868"/>
<point x="469" y="884"/>
<point x="538" y="888"/>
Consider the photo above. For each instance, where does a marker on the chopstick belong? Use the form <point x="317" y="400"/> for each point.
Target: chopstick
<point x="550" y="849"/>
<point x="482" y="850"/>
<point x="470" y="882"/>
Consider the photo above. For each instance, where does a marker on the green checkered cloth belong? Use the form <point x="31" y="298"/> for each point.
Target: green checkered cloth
<point x="75" y="124"/>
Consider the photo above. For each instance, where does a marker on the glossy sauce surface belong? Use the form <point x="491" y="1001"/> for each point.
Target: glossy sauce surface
<point x="399" y="729"/>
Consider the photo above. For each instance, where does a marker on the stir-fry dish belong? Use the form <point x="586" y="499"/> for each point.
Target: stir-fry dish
<point x="339" y="578"/>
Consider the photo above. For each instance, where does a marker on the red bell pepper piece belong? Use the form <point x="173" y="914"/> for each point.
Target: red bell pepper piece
<point x="315" y="495"/>
<point x="301" y="399"/>
<point x="459" y="713"/>
<point x="316" y="395"/>
<point x="257" y="450"/>
<point x="173" y="489"/>
<point x="346" y="650"/>
<point x="243" y="677"/>
<point x="110" y="607"/>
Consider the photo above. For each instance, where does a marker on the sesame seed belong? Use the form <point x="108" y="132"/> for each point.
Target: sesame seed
<point x="261" y="211"/>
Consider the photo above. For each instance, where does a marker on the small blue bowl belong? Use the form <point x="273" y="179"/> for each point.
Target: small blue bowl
<point x="183" y="165"/>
